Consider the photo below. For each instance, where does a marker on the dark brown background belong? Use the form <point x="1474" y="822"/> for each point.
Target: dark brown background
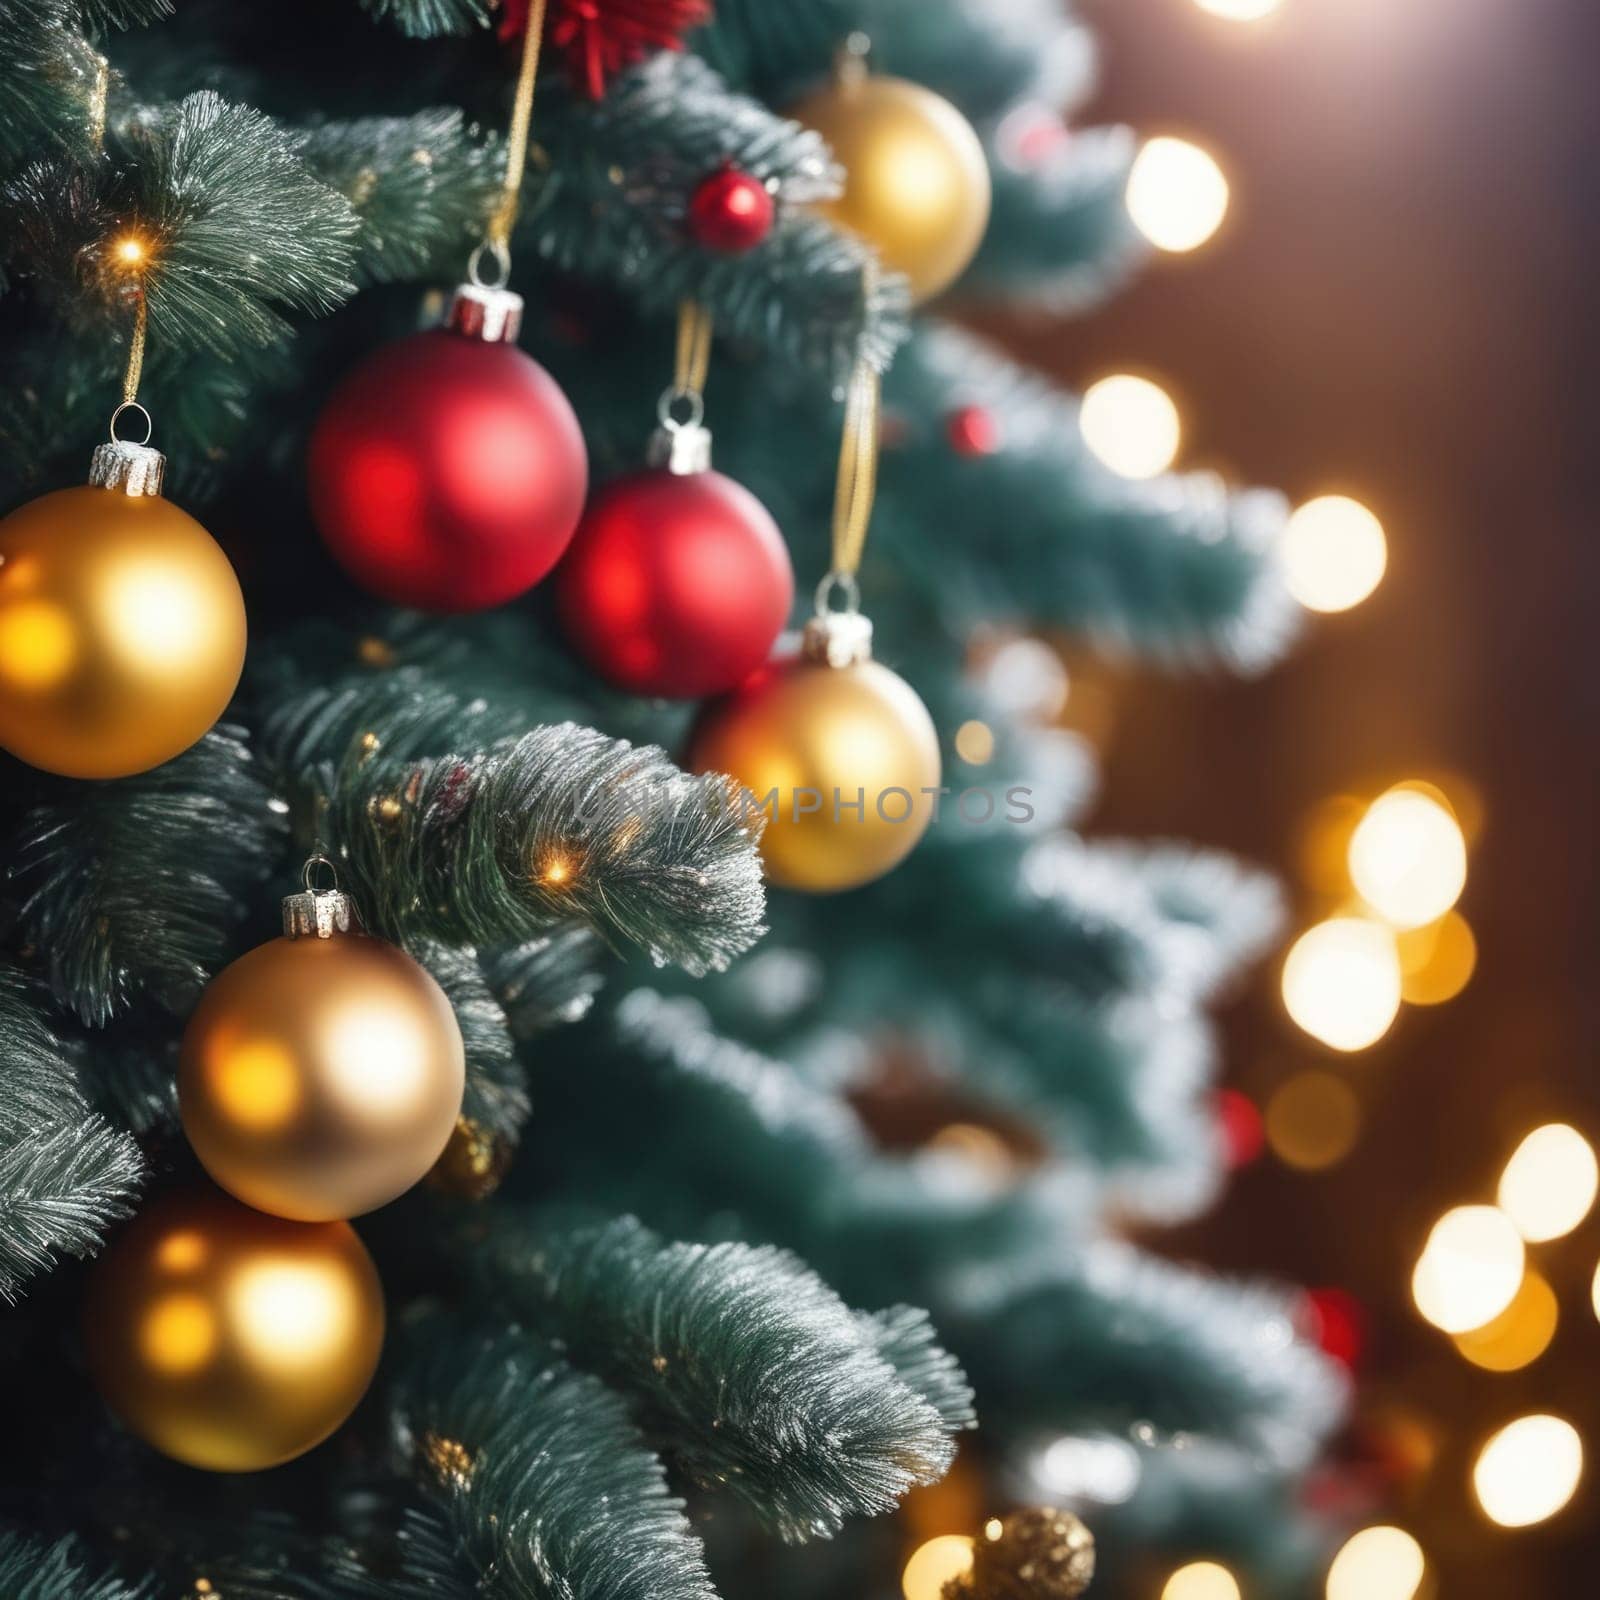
<point x="1398" y="308"/>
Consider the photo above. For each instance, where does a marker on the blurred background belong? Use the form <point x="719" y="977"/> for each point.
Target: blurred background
<point x="1394" y="309"/>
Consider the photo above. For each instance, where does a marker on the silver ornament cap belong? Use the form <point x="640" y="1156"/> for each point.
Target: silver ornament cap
<point x="131" y="469"/>
<point x="318" y="913"/>
<point x="838" y="638"/>
<point x="482" y="311"/>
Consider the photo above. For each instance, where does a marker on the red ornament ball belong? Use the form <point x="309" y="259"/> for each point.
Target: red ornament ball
<point x="731" y="211"/>
<point x="676" y="585"/>
<point x="973" y="431"/>
<point x="448" y="472"/>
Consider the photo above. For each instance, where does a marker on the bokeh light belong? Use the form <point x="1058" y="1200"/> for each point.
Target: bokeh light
<point x="975" y="743"/>
<point x="1333" y="553"/>
<point x="1528" y="1471"/>
<point x="1408" y="859"/>
<point x="1520" y="1334"/>
<point x="1131" y="424"/>
<point x="934" y="1564"/>
<point x="1437" y="960"/>
<point x="1341" y="982"/>
<point x="1594" y="1292"/>
<point x="1469" y="1270"/>
<point x="1201" y="1580"/>
<point x="1089" y="1467"/>
<point x="1177" y="195"/>
<point x="1240" y="10"/>
<point x="1377" y="1564"/>
<point x="1548" y="1186"/>
<point x="1313" y="1121"/>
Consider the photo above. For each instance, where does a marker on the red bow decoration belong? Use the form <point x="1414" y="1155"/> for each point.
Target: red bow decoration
<point x="602" y="37"/>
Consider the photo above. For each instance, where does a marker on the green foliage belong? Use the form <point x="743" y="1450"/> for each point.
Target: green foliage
<point x="550" y="1490"/>
<point x="423" y="19"/>
<point x="239" y="228"/>
<point x="132" y="888"/>
<point x="751" y="1372"/>
<point x="33" y="1571"/>
<point x="421" y="185"/>
<point x="497" y="1092"/>
<point x="65" y="1175"/>
<point x="548" y="981"/>
<point x="1052" y="1339"/>
<point x="103" y="14"/>
<point x="564" y="825"/>
<point x="46" y="86"/>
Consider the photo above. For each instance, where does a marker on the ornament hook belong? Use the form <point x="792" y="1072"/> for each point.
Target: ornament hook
<point x="499" y="252"/>
<point x="318" y="913"/>
<point x="120" y="412"/>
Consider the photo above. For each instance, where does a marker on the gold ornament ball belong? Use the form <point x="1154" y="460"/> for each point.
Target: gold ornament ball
<point x="231" y="1340"/>
<point x="122" y="632"/>
<point x="1042" y="1553"/>
<point x="321" y="1077"/>
<point x="916" y="180"/>
<point x="814" y="733"/>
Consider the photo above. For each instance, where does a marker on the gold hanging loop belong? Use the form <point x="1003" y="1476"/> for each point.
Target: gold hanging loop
<point x="694" y="348"/>
<point x="498" y="235"/>
<point x="858" y="471"/>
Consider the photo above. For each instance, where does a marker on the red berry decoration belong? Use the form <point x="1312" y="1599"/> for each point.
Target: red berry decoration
<point x="678" y="581"/>
<point x="448" y="471"/>
<point x="600" y="38"/>
<point x="731" y="211"/>
<point x="972" y="431"/>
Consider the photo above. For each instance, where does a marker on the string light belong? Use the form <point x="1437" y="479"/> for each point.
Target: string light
<point x="1201" y="1580"/>
<point x="1528" y="1471"/>
<point x="1437" y="960"/>
<point x="1176" y="195"/>
<point x="1549" y="1184"/>
<point x="1469" y="1270"/>
<point x="1131" y="424"/>
<point x="1240" y="10"/>
<point x="975" y="743"/>
<point x="1520" y="1334"/>
<point x="1377" y="1564"/>
<point x="1313" y="1121"/>
<point x="1341" y="982"/>
<point x="934" y="1564"/>
<point x="1333" y="553"/>
<point x="130" y="250"/>
<point x="1408" y="858"/>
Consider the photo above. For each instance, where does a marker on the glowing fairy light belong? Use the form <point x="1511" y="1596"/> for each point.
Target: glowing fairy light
<point x="1520" y="1334"/>
<point x="1201" y="1580"/>
<point x="1528" y="1471"/>
<point x="1313" y="1121"/>
<point x="1333" y="553"/>
<point x="1131" y="424"/>
<point x="1469" y="1270"/>
<point x="1341" y="982"/>
<point x="1408" y="858"/>
<point x="1377" y="1564"/>
<point x="1240" y="10"/>
<point x="1176" y="195"/>
<point x="1549" y="1184"/>
<point x="934" y="1564"/>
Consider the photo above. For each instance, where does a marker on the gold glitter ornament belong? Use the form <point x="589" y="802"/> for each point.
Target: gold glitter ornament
<point x="1042" y="1553"/>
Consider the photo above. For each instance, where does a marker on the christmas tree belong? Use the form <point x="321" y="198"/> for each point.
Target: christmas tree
<point x="743" y="1203"/>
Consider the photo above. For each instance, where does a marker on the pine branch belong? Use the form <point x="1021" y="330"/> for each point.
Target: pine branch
<point x="134" y="887"/>
<point x="65" y="1174"/>
<point x="907" y="1341"/>
<point x="425" y="19"/>
<point x="497" y="1091"/>
<point x="421" y="186"/>
<point x="620" y="173"/>
<point x="427" y="1564"/>
<point x="46" y="86"/>
<point x="30" y="1570"/>
<point x="747" y="1367"/>
<point x="103" y="15"/>
<point x="1116" y="1336"/>
<point x="547" y="982"/>
<point x="548" y="1486"/>
<point x="238" y="227"/>
<point x="1059" y="234"/>
<point x="563" y="826"/>
<point x="1040" y="534"/>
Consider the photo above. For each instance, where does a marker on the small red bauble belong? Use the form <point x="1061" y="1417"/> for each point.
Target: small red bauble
<point x="448" y="471"/>
<point x="731" y="211"/>
<point x="973" y="431"/>
<point x="676" y="584"/>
